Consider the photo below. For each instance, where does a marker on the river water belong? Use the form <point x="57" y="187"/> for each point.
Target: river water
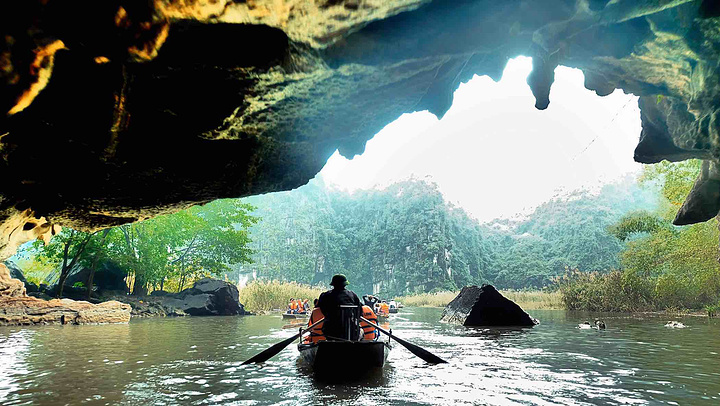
<point x="196" y="361"/>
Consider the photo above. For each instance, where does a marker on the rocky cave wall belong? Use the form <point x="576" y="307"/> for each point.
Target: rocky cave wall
<point x="118" y="110"/>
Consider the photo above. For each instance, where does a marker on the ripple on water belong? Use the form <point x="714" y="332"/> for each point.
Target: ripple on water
<point x="635" y="361"/>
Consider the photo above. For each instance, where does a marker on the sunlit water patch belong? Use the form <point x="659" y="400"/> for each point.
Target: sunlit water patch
<point x="197" y="361"/>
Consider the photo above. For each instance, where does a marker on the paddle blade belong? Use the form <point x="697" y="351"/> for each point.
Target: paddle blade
<point x="426" y="355"/>
<point x="272" y="351"/>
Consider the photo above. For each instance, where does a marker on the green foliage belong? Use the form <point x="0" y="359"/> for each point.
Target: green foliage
<point x="570" y="232"/>
<point x="36" y="269"/>
<point x="713" y="310"/>
<point x="78" y="285"/>
<point x="637" y="222"/>
<point x="613" y="291"/>
<point x="180" y="247"/>
<point x="663" y="267"/>
<point x="402" y="239"/>
<point x="406" y="239"/>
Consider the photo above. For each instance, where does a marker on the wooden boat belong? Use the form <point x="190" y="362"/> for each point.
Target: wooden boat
<point x="295" y="315"/>
<point x="361" y="356"/>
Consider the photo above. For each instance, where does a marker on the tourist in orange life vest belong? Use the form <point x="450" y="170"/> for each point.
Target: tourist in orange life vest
<point x="292" y="307"/>
<point x="384" y="308"/>
<point x="316" y="334"/>
<point x="370" y="332"/>
<point x="300" y="307"/>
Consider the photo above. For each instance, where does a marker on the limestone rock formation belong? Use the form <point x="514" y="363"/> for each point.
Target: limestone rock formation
<point x="459" y="308"/>
<point x="485" y="307"/>
<point x="16" y="308"/>
<point x="114" y="111"/>
<point x="15" y="271"/>
<point x="207" y="297"/>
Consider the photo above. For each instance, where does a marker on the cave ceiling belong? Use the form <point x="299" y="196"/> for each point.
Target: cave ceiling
<point x="118" y="110"/>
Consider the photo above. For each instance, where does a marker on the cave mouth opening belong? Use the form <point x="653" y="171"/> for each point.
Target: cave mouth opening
<point x="582" y="141"/>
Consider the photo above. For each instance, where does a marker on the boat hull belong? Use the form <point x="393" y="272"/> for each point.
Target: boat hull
<point x="332" y="356"/>
<point x="295" y="315"/>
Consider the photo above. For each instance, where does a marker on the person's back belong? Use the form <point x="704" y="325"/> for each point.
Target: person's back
<point x="330" y="303"/>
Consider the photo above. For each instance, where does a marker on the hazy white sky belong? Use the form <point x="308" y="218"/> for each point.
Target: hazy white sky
<point x="494" y="154"/>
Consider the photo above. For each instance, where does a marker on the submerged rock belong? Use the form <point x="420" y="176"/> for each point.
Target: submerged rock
<point x="485" y="307"/>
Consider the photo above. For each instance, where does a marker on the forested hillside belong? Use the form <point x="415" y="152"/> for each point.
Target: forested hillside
<point x="407" y="239"/>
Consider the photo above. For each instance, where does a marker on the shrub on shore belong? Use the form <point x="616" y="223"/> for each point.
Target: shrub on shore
<point x="265" y="296"/>
<point x="626" y="291"/>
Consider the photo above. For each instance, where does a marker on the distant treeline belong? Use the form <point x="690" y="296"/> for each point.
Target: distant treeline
<point x="406" y="239"/>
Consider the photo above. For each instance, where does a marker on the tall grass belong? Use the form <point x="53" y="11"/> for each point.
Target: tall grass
<point x="265" y="296"/>
<point x="528" y="300"/>
<point x="535" y="300"/>
<point x="439" y="299"/>
<point x="627" y="291"/>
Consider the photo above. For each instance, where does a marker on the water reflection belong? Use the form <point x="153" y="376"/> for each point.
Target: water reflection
<point x="197" y="361"/>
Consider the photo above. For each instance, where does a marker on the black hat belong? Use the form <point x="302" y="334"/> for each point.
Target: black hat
<point x="339" y="280"/>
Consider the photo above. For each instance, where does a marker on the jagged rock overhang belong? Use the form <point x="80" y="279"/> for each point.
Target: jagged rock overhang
<point x="121" y="110"/>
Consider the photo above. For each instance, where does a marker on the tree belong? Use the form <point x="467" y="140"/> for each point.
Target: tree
<point x="203" y="240"/>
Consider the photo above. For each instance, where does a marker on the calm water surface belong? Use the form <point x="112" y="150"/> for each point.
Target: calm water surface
<point x="196" y="361"/>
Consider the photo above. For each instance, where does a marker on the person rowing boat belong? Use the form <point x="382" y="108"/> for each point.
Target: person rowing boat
<point x="346" y="340"/>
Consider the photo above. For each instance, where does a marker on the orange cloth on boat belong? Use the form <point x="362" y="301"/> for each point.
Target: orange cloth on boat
<point x="300" y="306"/>
<point x="370" y="332"/>
<point x="316" y="334"/>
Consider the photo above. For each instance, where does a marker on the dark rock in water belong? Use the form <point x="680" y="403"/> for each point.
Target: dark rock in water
<point x="459" y="308"/>
<point x="208" y="297"/>
<point x="211" y="297"/>
<point x="488" y="309"/>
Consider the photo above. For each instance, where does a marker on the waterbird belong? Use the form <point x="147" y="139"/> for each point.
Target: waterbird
<point x="674" y="324"/>
<point x="585" y="325"/>
<point x="599" y="324"/>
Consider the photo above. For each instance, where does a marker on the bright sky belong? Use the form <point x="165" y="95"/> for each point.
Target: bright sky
<point x="494" y="154"/>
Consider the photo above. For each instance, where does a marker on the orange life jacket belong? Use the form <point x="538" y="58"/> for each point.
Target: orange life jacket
<point x="300" y="306"/>
<point x="293" y="305"/>
<point x="316" y="334"/>
<point x="370" y="332"/>
<point x="384" y="309"/>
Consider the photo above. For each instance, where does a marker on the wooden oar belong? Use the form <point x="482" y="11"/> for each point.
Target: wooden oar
<point x="275" y="349"/>
<point x="415" y="349"/>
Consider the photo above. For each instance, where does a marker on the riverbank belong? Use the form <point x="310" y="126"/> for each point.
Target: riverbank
<point x="528" y="300"/>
